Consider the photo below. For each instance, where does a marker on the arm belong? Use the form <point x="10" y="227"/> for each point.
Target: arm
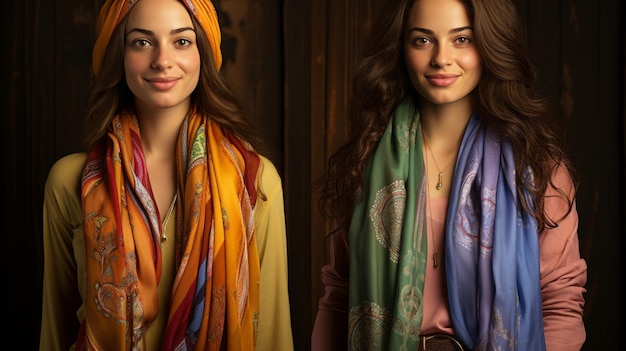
<point x="274" y="332"/>
<point x="330" y="330"/>
<point x="563" y="272"/>
<point x="61" y="222"/>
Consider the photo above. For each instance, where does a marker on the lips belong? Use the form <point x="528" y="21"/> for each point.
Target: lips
<point x="442" y="80"/>
<point x="163" y="83"/>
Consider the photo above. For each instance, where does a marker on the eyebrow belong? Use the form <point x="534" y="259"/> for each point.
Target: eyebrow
<point x="428" y="31"/>
<point x="150" y="33"/>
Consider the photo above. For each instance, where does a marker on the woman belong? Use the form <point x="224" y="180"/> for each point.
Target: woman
<point x="454" y="200"/>
<point x="169" y="233"/>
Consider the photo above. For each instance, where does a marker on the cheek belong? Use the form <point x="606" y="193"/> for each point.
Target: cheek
<point x="416" y="65"/>
<point x="471" y="62"/>
<point x="191" y="64"/>
<point x="133" y="64"/>
<point x="473" y="68"/>
<point x="417" y="62"/>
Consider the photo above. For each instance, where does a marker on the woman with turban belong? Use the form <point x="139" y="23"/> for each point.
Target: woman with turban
<point x="169" y="232"/>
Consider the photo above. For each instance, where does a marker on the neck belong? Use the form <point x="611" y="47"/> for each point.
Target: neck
<point x="443" y="127"/>
<point x="444" y="124"/>
<point x="159" y="130"/>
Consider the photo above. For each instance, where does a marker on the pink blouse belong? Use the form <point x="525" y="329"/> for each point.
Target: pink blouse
<point x="563" y="278"/>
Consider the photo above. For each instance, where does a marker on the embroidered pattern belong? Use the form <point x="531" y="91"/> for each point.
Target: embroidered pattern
<point x="386" y="215"/>
<point x="369" y="326"/>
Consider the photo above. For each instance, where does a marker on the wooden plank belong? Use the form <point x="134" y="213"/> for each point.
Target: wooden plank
<point x="251" y="48"/>
<point x="339" y="28"/>
<point x="319" y="150"/>
<point x="297" y="148"/>
<point x="591" y="105"/>
<point x="74" y="35"/>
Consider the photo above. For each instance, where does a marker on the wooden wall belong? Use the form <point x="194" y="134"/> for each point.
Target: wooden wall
<point x="290" y="62"/>
<point x="579" y="48"/>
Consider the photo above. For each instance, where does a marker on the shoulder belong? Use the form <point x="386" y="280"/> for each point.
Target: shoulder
<point x="269" y="182"/>
<point x="71" y="162"/>
<point x="559" y="199"/>
<point x="561" y="183"/>
<point x="65" y="174"/>
<point x="562" y="179"/>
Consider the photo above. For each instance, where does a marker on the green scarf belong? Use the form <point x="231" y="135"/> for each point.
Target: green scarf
<point x="388" y="241"/>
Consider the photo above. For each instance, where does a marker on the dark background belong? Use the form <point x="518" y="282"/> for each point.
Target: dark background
<point x="291" y="62"/>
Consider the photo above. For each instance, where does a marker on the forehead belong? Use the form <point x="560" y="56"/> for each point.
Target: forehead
<point x="159" y="14"/>
<point x="438" y="15"/>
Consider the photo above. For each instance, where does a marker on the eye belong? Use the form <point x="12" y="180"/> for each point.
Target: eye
<point x="421" y="41"/>
<point x="141" y="43"/>
<point x="463" y="40"/>
<point x="183" y="42"/>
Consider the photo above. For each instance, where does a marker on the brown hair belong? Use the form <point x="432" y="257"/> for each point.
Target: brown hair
<point x="506" y="99"/>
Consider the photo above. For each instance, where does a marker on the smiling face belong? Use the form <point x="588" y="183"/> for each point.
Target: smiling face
<point x="161" y="58"/>
<point x="441" y="56"/>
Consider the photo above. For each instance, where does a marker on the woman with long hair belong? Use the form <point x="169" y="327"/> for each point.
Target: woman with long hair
<point x="168" y="232"/>
<point x="454" y="199"/>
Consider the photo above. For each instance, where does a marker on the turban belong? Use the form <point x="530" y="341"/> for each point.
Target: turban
<point x="113" y="11"/>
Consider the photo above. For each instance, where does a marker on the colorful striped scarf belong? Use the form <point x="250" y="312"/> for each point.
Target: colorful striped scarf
<point x="215" y="297"/>
<point x="491" y="243"/>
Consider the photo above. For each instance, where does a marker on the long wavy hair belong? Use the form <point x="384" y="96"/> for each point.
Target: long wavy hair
<point x="506" y="99"/>
<point x="213" y="96"/>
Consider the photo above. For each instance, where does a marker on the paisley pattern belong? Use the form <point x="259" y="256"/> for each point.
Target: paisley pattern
<point x="217" y="283"/>
<point x="367" y="320"/>
<point x="491" y="246"/>
<point x="386" y="216"/>
<point x="388" y="242"/>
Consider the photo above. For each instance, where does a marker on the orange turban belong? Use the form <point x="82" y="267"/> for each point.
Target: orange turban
<point x="113" y="11"/>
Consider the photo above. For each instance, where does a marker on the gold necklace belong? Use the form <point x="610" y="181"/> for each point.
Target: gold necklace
<point x="167" y="218"/>
<point x="440" y="178"/>
<point x="430" y="212"/>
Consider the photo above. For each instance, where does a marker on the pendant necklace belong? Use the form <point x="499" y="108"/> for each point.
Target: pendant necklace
<point x="430" y="211"/>
<point x="440" y="177"/>
<point x="167" y="218"/>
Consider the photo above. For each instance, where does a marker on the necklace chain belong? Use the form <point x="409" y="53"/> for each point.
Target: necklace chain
<point x="167" y="218"/>
<point x="440" y="176"/>
<point x="430" y="211"/>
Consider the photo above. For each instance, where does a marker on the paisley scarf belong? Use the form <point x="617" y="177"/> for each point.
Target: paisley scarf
<point x="215" y="297"/>
<point x="492" y="250"/>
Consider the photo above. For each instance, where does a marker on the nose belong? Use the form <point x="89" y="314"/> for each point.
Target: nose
<point x="163" y="58"/>
<point x="441" y="56"/>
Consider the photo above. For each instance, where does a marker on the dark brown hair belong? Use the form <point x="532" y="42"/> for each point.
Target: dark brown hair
<point x="506" y="99"/>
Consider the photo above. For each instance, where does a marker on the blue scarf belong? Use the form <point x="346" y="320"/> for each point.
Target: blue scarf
<point x="491" y="243"/>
